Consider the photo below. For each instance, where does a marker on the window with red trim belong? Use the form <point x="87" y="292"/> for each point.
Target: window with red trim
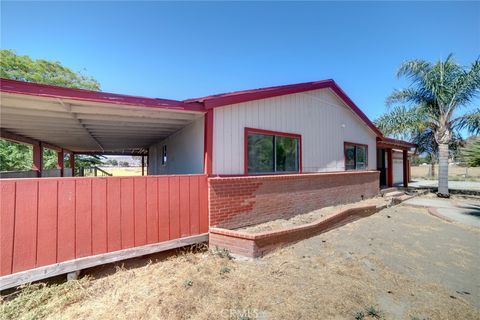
<point x="271" y="152"/>
<point x="356" y="156"/>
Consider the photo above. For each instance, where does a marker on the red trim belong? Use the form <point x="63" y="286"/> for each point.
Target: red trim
<point x="60" y="160"/>
<point x="273" y="133"/>
<point x="384" y="142"/>
<point x="345" y="143"/>
<point x="389" y="167"/>
<point x="44" y="90"/>
<point x="208" y="143"/>
<point x="263" y="93"/>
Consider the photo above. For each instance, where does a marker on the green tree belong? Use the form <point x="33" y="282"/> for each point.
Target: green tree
<point x="471" y="153"/>
<point x="24" y="68"/>
<point x="429" y="107"/>
<point x="16" y="156"/>
<point x="124" y="164"/>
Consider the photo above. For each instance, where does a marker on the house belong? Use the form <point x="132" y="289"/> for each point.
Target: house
<point x="227" y="160"/>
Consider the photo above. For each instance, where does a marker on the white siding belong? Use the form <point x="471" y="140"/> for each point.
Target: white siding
<point x="322" y="119"/>
<point x="184" y="151"/>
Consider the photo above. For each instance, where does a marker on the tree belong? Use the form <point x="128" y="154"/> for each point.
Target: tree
<point x="15" y="156"/>
<point x="112" y="162"/>
<point x="429" y="108"/>
<point x="24" y="68"/>
<point x="471" y="153"/>
<point x="87" y="161"/>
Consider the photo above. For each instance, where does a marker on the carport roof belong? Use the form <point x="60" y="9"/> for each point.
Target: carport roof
<point x="87" y="121"/>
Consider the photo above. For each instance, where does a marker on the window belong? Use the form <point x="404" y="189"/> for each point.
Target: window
<point x="164" y="155"/>
<point x="271" y="152"/>
<point x="356" y="156"/>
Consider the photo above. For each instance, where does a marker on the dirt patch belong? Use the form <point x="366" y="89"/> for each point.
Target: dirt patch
<point x="400" y="262"/>
<point x="307" y="217"/>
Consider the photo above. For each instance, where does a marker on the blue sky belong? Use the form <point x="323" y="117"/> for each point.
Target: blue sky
<point x="184" y="50"/>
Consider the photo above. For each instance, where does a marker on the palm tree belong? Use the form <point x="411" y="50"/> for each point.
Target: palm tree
<point x="430" y="108"/>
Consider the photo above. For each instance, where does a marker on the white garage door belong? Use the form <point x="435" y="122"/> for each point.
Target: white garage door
<point x="397" y="171"/>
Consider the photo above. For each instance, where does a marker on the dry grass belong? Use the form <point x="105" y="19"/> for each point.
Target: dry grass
<point x="207" y="285"/>
<point x="201" y="284"/>
<point x="124" y="171"/>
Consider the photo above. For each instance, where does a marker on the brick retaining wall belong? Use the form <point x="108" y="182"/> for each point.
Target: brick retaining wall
<point x="258" y="244"/>
<point x="236" y="202"/>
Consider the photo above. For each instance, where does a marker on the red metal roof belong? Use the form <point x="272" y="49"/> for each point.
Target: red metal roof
<point x="223" y="99"/>
<point x="395" y="142"/>
<point x="44" y="90"/>
<point x="195" y="104"/>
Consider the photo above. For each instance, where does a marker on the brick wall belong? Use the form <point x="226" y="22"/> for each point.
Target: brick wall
<point x="259" y="244"/>
<point x="236" y="202"/>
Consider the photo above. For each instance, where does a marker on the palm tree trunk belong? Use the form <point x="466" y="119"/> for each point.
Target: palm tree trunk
<point x="443" y="170"/>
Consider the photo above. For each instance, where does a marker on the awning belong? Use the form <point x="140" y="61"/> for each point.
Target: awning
<point x="389" y="143"/>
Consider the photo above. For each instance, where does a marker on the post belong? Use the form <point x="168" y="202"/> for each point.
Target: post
<point x="405" y="168"/>
<point x="60" y="164"/>
<point x="208" y="143"/>
<point x="37" y="164"/>
<point x="72" y="163"/>
<point x="143" y="165"/>
<point x="389" y="167"/>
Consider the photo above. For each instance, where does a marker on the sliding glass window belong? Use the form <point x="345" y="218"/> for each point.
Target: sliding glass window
<point x="272" y="153"/>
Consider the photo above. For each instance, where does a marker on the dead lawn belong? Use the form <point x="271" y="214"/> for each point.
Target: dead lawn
<point x="325" y="277"/>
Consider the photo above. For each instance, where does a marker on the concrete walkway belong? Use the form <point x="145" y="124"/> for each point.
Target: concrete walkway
<point x="456" y="185"/>
<point x="463" y="211"/>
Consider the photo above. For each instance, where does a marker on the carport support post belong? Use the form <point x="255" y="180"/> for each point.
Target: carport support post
<point x="389" y="167"/>
<point x="405" y="168"/>
<point x="37" y="164"/>
<point x="72" y="163"/>
<point x="208" y="143"/>
<point x="60" y="164"/>
<point x="143" y="165"/>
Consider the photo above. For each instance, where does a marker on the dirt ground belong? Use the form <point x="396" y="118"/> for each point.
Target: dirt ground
<point x="401" y="263"/>
<point x="308" y="217"/>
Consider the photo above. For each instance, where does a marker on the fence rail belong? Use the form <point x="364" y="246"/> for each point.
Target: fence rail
<point x="454" y="172"/>
<point x="51" y="220"/>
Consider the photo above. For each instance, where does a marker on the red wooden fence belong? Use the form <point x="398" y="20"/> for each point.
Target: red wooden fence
<point x="49" y="220"/>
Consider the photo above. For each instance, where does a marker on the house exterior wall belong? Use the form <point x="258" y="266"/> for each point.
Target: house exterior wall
<point x="184" y="151"/>
<point x="322" y="119"/>
<point x="236" y="202"/>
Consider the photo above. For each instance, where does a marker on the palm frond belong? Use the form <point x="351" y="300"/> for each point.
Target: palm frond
<point x="400" y="122"/>
<point x="469" y="121"/>
<point x="466" y="86"/>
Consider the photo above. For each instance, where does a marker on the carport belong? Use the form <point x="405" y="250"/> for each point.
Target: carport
<point x="62" y="224"/>
<point x="75" y="121"/>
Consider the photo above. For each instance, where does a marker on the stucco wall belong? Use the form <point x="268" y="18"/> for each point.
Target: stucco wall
<point x="184" y="151"/>
<point x="322" y="119"/>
